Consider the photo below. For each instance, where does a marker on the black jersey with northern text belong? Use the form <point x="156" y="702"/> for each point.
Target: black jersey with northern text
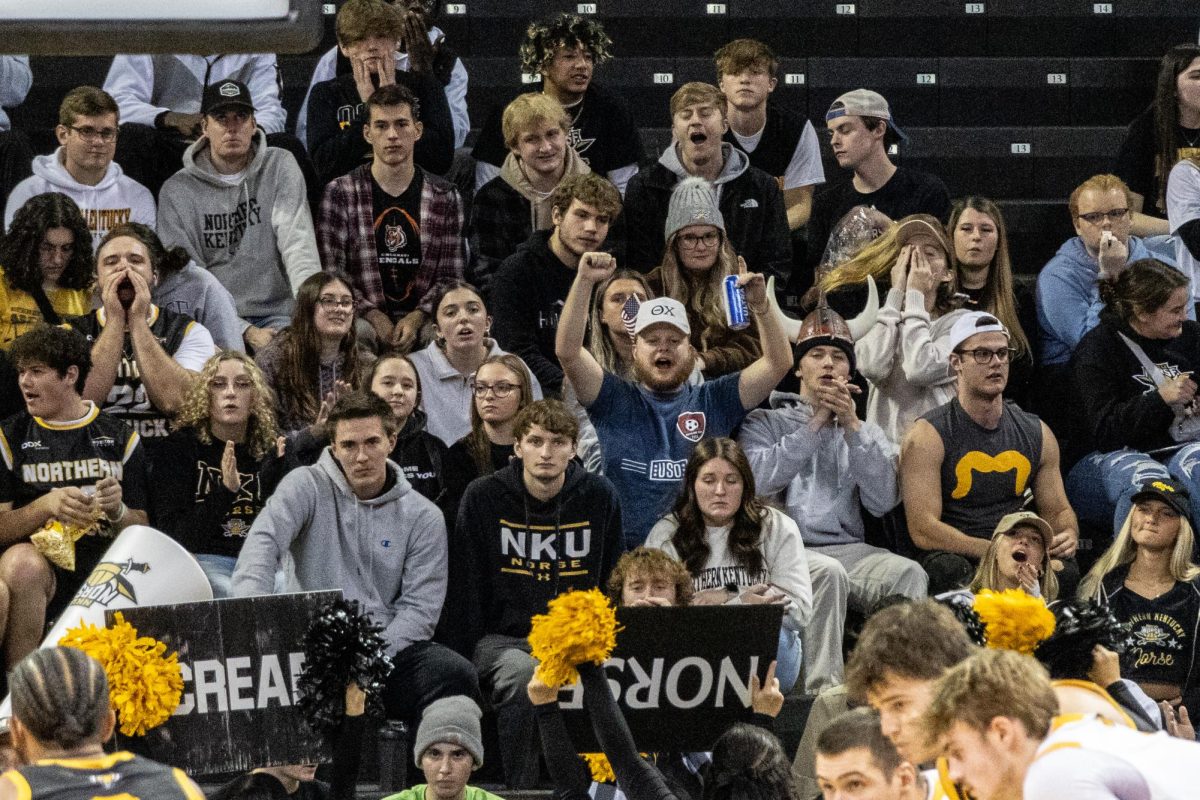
<point x="39" y="455"/>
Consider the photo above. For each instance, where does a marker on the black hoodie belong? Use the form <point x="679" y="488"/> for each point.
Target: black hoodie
<point x="1119" y="405"/>
<point x="528" y="293"/>
<point x="522" y="552"/>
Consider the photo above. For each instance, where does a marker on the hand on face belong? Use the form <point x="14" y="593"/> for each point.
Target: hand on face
<point x="920" y="274"/>
<point x="900" y="269"/>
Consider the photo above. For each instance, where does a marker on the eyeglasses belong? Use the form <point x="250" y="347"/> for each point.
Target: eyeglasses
<point x="982" y="355"/>
<point x="501" y="390"/>
<point x="690" y="241"/>
<point x="90" y="134"/>
<point x="1113" y="214"/>
<point x="327" y="302"/>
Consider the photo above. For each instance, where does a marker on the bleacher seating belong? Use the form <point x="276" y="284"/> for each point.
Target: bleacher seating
<point x="972" y="83"/>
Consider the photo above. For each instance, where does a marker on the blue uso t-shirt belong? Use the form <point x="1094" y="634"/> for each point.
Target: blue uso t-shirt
<point x="646" y="438"/>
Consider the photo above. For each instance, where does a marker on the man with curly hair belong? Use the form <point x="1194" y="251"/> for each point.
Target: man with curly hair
<point x="62" y="460"/>
<point x="563" y="50"/>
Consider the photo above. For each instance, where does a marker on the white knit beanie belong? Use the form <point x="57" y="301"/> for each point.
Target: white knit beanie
<point x="693" y="202"/>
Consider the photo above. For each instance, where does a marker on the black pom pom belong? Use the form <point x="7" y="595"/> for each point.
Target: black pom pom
<point x="968" y="617"/>
<point x="342" y="645"/>
<point x="1080" y="625"/>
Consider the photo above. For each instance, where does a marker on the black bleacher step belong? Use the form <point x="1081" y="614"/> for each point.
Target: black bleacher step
<point x="1036" y="229"/>
<point x="930" y="28"/>
<point x="909" y="84"/>
<point x="1111" y="91"/>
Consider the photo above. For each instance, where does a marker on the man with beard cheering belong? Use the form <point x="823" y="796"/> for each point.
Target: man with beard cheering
<point x="647" y="430"/>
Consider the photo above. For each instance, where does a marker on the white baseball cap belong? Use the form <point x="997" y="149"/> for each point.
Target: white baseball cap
<point x="971" y="323"/>
<point x="662" y="310"/>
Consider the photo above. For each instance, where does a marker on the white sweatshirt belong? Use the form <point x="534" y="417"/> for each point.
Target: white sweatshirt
<point x="784" y="563"/>
<point x="114" y="200"/>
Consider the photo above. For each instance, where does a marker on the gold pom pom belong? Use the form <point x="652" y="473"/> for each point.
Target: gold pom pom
<point x="1014" y="620"/>
<point x="144" y="686"/>
<point x="602" y="771"/>
<point x="579" y="627"/>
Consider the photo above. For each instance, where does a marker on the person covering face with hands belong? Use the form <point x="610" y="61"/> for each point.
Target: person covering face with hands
<point x="144" y="357"/>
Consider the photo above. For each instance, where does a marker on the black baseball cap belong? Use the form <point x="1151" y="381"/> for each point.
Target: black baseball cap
<point x="1168" y="491"/>
<point x="225" y="94"/>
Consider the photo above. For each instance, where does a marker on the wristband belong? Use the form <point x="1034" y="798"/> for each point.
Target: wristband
<point x="120" y="514"/>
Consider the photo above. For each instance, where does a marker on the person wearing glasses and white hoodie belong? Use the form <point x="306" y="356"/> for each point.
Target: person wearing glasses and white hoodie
<point x="83" y="169"/>
<point x="238" y="207"/>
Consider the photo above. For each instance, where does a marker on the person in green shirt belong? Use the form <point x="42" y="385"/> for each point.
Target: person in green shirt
<point x="448" y="748"/>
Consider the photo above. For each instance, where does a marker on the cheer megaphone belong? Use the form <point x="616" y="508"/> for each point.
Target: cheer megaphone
<point x="142" y="567"/>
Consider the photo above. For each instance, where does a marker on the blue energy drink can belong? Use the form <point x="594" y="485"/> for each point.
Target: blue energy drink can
<point x="733" y="297"/>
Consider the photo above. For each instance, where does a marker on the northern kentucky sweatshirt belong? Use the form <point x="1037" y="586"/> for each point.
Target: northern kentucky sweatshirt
<point x="255" y="234"/>
<point x="522" y="552"/>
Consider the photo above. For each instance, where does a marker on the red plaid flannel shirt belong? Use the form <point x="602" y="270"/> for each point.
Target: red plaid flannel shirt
<point x="346" y="236"/>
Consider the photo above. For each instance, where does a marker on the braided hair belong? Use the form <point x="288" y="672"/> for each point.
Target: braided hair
<point x="60" y="695"/>
<point x="748" y="763"/>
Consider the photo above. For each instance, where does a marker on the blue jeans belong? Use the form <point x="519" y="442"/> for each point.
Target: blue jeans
<point x="787" y="667"/>
<point x="1102" y="485"/>
<point x="219" y="571"/>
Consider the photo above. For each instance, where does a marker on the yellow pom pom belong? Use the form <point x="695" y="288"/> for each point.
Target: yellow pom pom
<point x="1014" y="620"/>
<point x="579" y="627"/>
<point x="144" y="686"/>
<point x="601" y="770"/>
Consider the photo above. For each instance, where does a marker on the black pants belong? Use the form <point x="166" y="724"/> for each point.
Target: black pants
<point x="424" y="672"/>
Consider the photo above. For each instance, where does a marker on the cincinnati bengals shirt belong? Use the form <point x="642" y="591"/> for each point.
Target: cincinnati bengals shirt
<point x="398" y="243"/>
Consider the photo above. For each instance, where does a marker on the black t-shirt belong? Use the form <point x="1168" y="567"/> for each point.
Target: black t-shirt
<point x="1136" y="160"/>
<point x="603" y="132"/>
<point x="907" y="192"/>
<point x="398" y="243"/>
<point x="226" y="530"/>
<point x="1162" y="631"/>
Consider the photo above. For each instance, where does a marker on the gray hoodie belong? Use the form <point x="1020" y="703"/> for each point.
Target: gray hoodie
<point x="196" y="292"/>
<point x="824" y="473"/>
<point x="736" y="162"/>
<point x="389" y="553"/>
<point x="255" y="235"/>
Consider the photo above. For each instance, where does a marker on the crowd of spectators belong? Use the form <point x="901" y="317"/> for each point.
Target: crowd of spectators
<point x="284" y="350"/>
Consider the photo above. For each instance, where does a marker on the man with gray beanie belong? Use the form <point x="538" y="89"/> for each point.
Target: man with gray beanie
<point x="448" y="748"/>
<point x="812" y="451"/>
<point x="862" y="134"/>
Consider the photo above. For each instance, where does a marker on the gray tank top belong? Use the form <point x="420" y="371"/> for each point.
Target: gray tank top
<point x="985" y="473"/>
